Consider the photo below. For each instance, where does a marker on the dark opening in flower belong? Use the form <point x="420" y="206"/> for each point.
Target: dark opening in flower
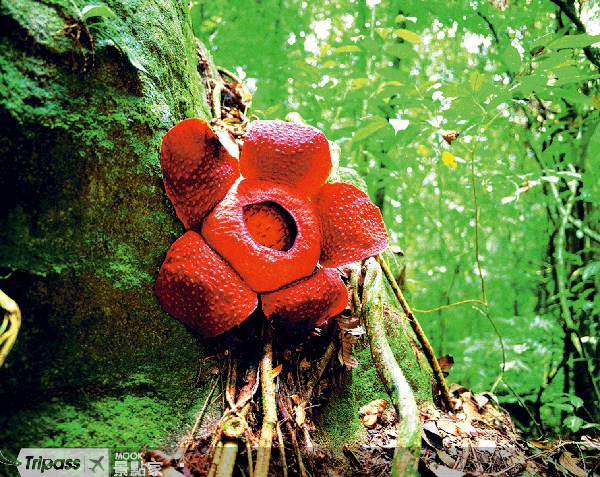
<point x="270" y="225"/>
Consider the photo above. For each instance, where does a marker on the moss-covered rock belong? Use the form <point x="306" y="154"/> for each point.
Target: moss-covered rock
<point x="85" y="224"/>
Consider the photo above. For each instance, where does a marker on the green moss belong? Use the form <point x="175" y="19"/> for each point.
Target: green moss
<point x="85" y="224"/>
<point x="124" y="269"/>
<point x="136" y="418"/>
<point x="340" y="421"/>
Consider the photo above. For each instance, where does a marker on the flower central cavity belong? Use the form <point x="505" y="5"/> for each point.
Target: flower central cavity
<point x="271" y="225"/>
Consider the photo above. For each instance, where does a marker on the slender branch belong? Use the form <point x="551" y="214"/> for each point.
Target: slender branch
<point x="314" y="380"/>
<point x="290" y="427"/>
<point x="476" y="203"/>
<point x="584" y="228"/>
<point x="534" y="421"/>
<point x="216" y="98"/>
<point x="180" y="452"/>
<point x="561" y="281"/>
<point x="263" y="456"/>
<point x="490" y="26"/>
<point x="416" y="326"/>
<point x="408" y="444"/>
<point x="450" y="305"/>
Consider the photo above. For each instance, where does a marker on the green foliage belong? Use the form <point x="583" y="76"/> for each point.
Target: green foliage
<point x="96" y="18"/>
<point x="385" y="82"/>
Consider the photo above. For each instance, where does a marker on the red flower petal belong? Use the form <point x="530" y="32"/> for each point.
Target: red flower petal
<point x="291" y="154"/>
<point x="263" y="268"/>
<point x="198" y="171"/>
<point x="351" y="225"/>
<point x="308" y="302"/>
<point x="198" y="288"/>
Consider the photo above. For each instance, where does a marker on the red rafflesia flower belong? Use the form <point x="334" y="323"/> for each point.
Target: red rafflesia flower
<point x="264" y="232"/>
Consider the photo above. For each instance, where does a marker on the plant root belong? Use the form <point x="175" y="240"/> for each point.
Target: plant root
<point x="408" y="444"/>
<point x="438" y="375"/>
<point x="263" y="456"/>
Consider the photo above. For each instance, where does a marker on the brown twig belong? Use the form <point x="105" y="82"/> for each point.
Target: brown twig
<point x="290" y="427"/>
<point x="323" y="362"/>
<point x="183" y="448"/>
<point x="450" y="305"/>
<point x="263" y="456"/>
<point x="281" y="450"/>
<point x="416" y="326"/>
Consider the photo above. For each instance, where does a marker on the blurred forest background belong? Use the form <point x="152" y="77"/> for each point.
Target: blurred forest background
<point x="476" y="127"/>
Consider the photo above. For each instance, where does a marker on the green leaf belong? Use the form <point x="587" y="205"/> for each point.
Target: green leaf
<point x="573" y="97"/>
<point x="400" y="50"/>
<point x="590" y="270"/>
<point x="407" y="35"/>
<point x="531" y="83"/>
<point x="576" y="401"/>
<point x="347" y="49"/>
<point x="512" y="59"/>
<point x="476" y="80"/>
<point x="375" y="124"/>
<point x="131" y="55"/>
<point x="90" y="11"/>
<point x="575" y="41"/>
<point x="358" y="83"/>
<point x="573" y="422"/>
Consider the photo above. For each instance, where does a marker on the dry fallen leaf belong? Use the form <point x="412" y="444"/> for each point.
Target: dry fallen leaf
<point x="445" y="458"/>
<point x="569" y="462"/>
<point x="300" y="414"/>
<point x="443" y="471"/>
<point x="370" y="413"/>
<point x="369" y="420"/>
<point x="277" y="370"/>
<point x="446" y="362"/>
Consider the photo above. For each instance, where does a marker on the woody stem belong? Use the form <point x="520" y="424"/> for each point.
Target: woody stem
<point x="263" y="456"/>
<point x="416" y="326"/>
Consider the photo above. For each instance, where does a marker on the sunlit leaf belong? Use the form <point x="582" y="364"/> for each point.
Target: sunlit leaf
<point x="407" y="35"/>
<point x="276" y="371"/>
<point x="422" y="150"/>
<point x="573" y="97"/>
<point x="590" y="270"/>
<point x="347" y="49"/>
<point x="575" y="41"/>
<point x="90" y="11"/>
<point x="374" y="125"/>
<point x="448" y="159"/>
<point x="272" y="109"/>
<point x="476" y="80"/>
<point x="358" y="83"/>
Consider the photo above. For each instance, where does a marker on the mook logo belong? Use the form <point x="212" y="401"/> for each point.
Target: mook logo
<point x="64" y="462"/>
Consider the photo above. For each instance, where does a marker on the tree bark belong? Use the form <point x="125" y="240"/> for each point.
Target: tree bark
<point x="85" y="224"/>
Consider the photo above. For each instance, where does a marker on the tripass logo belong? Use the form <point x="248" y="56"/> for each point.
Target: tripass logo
<point x="64" y="462"/>
<point x="43" y="465"/>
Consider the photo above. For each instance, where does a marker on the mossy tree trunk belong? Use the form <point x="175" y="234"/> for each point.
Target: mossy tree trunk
<point x="85" y="225"/>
